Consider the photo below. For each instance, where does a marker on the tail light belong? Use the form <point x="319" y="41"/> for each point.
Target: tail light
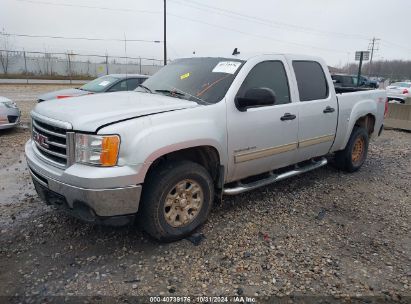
<point x="63" y="96"/>
<point x="386" y="108"/>
<point x="405" y="91"/>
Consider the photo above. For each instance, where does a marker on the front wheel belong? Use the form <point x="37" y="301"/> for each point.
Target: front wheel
<point x="355" y="153"/>
<point x="177" y="198"/>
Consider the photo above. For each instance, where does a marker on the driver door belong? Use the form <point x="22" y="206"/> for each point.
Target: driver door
<point x="263" y="138"/>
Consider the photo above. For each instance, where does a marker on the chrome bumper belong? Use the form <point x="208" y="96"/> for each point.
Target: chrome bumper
<point x="104" y="202"/>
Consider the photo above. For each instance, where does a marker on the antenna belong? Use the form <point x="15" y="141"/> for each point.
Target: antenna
<point x="235" y="52"/>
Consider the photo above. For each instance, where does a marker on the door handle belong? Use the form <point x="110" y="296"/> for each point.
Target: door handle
<point x="328" y="109"/>
<point x="288" y="116"/>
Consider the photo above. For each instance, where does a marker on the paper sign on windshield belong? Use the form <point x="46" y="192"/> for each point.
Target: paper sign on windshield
<point x="104" y="83"/>
<point x="229" y="67"/>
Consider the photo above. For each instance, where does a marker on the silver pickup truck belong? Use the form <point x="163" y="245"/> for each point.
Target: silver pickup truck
<point x="198" y="129"/>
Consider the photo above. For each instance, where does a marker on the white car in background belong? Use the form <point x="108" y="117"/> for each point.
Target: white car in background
<point x="399" y="91"/>
<point x="9" y="113"/>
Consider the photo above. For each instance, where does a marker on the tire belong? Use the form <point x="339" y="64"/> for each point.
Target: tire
<point x="166" y="194"/>
<point x="355" y="153"/>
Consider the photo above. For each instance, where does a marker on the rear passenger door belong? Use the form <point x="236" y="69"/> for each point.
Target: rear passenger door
<point x="318" y="109"/>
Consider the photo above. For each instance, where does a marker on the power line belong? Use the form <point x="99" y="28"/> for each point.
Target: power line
<point x="78" y="38"/>
<point x="192" y="2"/>
<point x="92" y="7"/>
<point x="266" y="22"/>
<point x="393" y="44"/>
<point x="192" y="20"/>
<point x="256" y="35"/>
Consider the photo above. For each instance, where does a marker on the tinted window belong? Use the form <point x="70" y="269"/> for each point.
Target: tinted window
<point x="268" y="74"/>
<point x="311" y="81"/>
<point x="120" y="86"/>
<point x="100" y="84"/>
<point x="401" y="84"/>
<point x="133" y="82"/>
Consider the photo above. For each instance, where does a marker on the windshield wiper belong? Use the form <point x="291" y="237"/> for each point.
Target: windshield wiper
<point x="145" y="88"/>
<point x="181" y="94"/>
<point x="171" y="92"/>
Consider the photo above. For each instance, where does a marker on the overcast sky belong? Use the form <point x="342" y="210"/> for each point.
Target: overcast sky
<point x="332" y="29"/>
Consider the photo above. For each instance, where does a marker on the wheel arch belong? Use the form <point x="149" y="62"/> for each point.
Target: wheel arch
<point x="367" y="122"/>
<point x="205" y="155"/>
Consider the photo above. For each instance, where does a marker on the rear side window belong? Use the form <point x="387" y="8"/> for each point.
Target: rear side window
<point x="311" y="81"/>
<point x="133" y="82"/>
<point x="268" y="74"/>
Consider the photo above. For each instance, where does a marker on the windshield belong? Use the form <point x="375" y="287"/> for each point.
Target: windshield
<point x="402" y="84"/>
<point x="100" y="84"/>
<point x="198" y="79"/>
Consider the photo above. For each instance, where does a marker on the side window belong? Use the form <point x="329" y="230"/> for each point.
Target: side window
<point x="121" y="86"/>
<point x="311" y="81"/>
<point x="268" y="74"/>
<point x="132" y="83"/>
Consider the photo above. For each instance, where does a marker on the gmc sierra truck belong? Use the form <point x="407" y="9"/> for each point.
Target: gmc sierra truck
<point x="200" y="128"/>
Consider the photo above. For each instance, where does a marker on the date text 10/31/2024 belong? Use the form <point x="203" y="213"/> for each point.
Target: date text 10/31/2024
<point x="202" y="299"/>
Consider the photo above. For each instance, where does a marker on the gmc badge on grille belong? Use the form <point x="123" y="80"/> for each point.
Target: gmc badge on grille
<point x="40" y="139"/>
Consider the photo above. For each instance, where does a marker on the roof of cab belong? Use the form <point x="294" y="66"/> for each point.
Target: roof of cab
<point x="247" y="57"/>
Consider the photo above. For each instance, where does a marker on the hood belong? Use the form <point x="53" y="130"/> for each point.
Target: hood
<point x="64" y="92"/>
<point x="88" y="113"/>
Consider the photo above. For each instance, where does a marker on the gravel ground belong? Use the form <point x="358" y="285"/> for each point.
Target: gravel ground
<point x="322" y="233"/>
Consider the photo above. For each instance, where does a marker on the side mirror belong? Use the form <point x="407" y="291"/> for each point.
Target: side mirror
<point x="255" y="97"/>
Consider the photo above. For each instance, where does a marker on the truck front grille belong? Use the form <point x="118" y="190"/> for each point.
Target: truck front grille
<point x="50" y="141"/>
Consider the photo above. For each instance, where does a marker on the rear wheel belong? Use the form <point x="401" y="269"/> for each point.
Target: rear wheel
<point x="177" y="198"/>
<point x="355" y="153"/>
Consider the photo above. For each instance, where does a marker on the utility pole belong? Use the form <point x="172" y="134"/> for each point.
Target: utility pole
<point x="372" y="47"/>
<point x="165" y="33"/>
<point x="69" y="66"/>
<point x="25" y="67"/>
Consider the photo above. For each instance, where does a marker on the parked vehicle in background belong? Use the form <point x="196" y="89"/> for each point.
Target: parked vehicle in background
<point x="399" y="91"/>
<point x="9" y="113"/>
<point x="367" y="82"/>
<point x="350" y="81"/>
<point x="108" y="83"/>
<point x="199" y="128"/>
<point x="344" y="81"/>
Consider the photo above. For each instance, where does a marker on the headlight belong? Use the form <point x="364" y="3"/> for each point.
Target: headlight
<point x="97" y="150"/>
<point x="9" y="104"/>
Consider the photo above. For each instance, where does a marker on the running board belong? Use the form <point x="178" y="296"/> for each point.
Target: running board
<point x="240" y="188"/>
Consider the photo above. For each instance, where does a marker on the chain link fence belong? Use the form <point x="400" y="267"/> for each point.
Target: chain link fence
<point x="72" y="66"/>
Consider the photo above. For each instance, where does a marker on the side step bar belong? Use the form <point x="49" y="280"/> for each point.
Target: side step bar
<point x="240" y="188"/>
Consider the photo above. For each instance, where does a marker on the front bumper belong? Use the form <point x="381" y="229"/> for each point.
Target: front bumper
<point x="89" y="204"/>
<point x="9" y="118"/>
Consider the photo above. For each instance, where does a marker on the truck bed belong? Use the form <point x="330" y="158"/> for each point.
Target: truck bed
<point x="350" y="103"/>
<point x="342" y="90"/>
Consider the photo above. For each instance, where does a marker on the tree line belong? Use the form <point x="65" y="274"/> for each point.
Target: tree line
<point x="396" y="70"/>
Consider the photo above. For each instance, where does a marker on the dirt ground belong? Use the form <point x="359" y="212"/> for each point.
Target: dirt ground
<point x="325" y="233"/>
